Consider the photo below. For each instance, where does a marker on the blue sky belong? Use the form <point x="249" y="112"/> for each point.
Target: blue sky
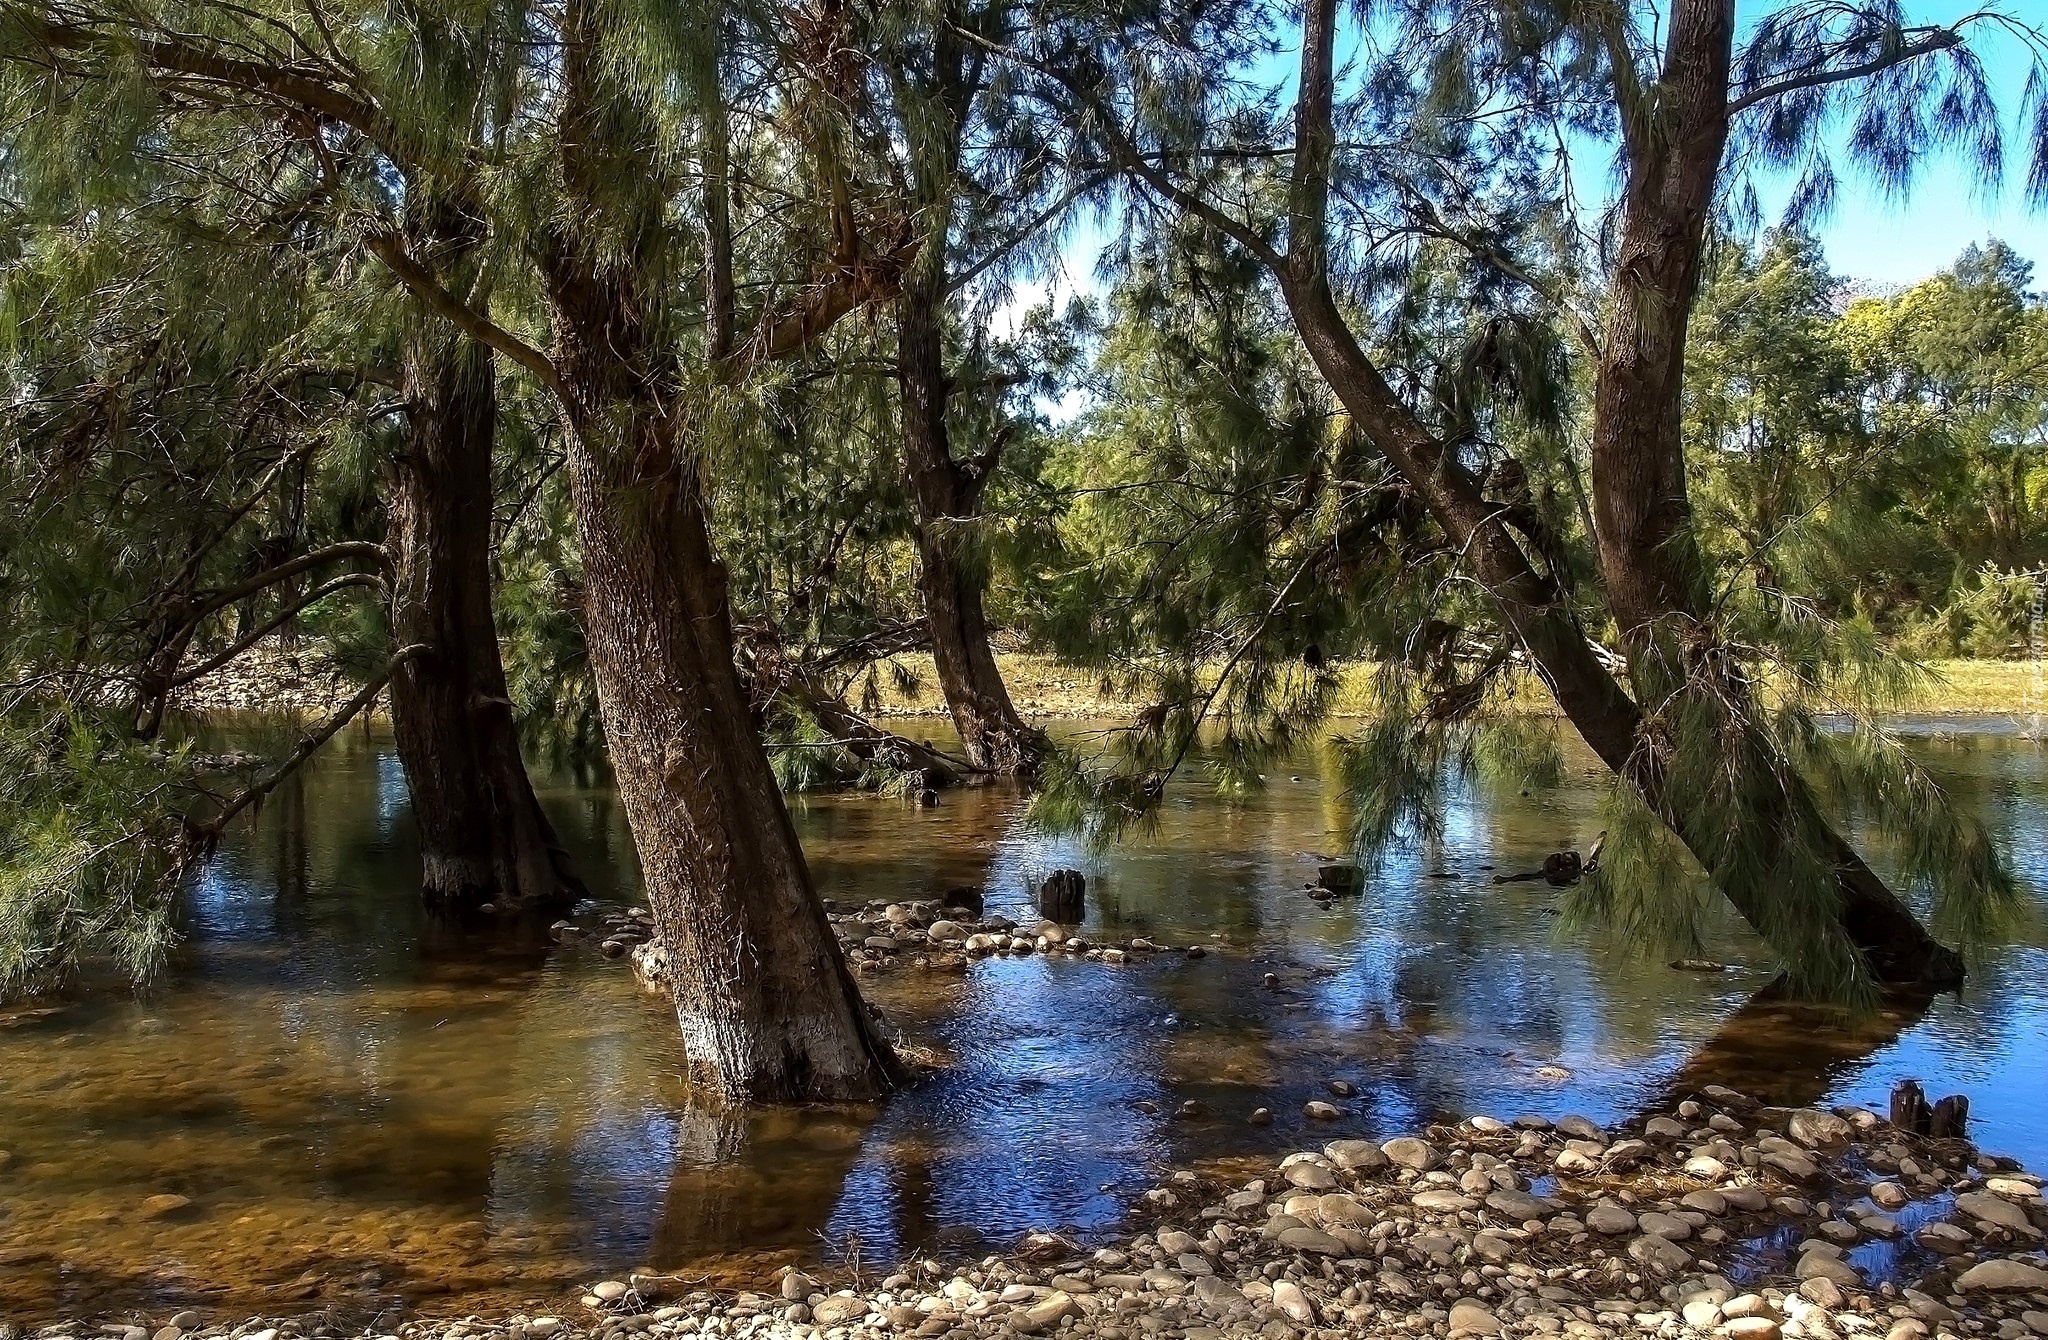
<point x="1875" y="241"/>
<point x="1888" y="242"/>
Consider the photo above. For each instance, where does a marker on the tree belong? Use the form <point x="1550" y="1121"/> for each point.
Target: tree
<point x="483" y="837"/>
<point x="1444" y="153"/>
<point x="647" y="389"/>
<point x="979" y="176"/>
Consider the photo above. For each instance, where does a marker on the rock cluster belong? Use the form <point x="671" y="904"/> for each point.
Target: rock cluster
<point x="1673" y="1228"/>
<point x="926" y="934"/>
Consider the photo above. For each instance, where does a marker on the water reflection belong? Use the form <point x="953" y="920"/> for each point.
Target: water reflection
<point x="365" y="1106"/>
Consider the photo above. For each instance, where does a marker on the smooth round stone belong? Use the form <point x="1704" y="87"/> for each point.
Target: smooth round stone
<point x="1318" y="1110"/>
<point x="1611" y="1220"/>
<point x="839" y="1309"/>
<point x="1288" y="1297"/>
<point x="1311" y="1177"/>
<point x="1664" y="1225"/>
<point x="1410" y="1152"/>
<point x="1702" y="1315"/>
<point x="1820" y="1265"/>
<point x="1470" y="1317"/>
<point x="1751" y="1328"/>
<point x="1312" y="1240"/>
<point x="1360" y="1156"/>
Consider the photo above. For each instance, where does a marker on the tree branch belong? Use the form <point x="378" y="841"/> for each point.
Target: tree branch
<point x="1037" y="221"/>
<point x="467" y="319"/>
<point x="1131" y="160"/>
<point x="1940" y="39"/>
<point x="296" y="88"/>
<point x="248" y="640"/>
<point x="291" y="567"/>
<point x="312" y="741"/>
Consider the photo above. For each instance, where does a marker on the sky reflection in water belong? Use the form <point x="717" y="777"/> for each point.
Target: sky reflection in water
<point x="364" y="1106"/>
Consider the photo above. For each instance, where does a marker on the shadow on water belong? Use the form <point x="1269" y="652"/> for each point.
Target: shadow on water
<point x="1792" y="1053"/>
<point x="358" y="1106"/>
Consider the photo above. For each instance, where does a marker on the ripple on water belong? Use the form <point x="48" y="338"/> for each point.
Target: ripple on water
<point x="361" y="1105"/>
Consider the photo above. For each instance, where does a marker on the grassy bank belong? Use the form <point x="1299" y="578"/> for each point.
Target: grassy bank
<point x="1043" y="687"/>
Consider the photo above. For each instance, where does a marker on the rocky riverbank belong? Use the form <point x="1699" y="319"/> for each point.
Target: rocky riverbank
<point x="1720" y="1219"/>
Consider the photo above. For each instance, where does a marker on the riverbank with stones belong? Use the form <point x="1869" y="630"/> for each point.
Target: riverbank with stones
<point x="1722" y="1219"/>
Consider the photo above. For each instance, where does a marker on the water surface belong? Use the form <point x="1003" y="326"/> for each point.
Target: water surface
<point x="371" y="1111"/>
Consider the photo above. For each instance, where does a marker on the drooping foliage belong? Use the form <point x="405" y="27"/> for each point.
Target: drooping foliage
<point x="698" y="241"/>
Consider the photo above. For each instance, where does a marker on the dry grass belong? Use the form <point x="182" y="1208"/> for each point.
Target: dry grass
<point x="1043" y="687"/>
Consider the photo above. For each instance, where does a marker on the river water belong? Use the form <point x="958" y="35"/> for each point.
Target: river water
<point x="370" y="1111"/>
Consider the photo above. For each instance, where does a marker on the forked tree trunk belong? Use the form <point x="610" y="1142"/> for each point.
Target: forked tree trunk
<point x="951" y="575"/>
<point x="1895" y="946"/>
<point x="483" y="837"/>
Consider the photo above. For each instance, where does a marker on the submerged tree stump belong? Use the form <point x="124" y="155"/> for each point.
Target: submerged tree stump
<point x="1063" y="897"/>
<point x="1338" y="879"/>
<point x="1948" y="1119"/>
<point x="1909" y="1107"/>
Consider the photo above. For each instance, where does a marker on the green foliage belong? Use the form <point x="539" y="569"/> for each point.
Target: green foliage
<point x="203" y="318"/>
<point x="93" y="848"/>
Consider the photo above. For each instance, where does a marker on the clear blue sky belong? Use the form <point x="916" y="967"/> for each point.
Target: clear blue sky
<point x="1889" y="243"/>
<point x="1892" y="242"/>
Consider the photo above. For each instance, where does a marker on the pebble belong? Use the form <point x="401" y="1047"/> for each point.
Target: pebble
<point x="838" y="1309"/>
<point x="1288" y="1297"/>
<point x="1423" y="1237"/>
<point x="1470" y="1317"/>
<point x="1611" y="1220"/>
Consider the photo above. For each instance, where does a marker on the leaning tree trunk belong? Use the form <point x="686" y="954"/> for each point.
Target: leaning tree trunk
<point x="1893" y="943"/>
<point x="947" y="494"/>
<point x="769" y="1011"/>
<point x="1655" y="576"/>
<point x="483" y="838"/>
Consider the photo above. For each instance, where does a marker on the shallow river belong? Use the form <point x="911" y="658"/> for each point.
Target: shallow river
<point x="370" y="1111"/>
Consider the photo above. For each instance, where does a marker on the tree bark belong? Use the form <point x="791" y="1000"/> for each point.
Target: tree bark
<point x="947" y="494"/>
<point x="768" y="1010"/>
<point x="483" y="837"/>
<point x="1646" y="504"/>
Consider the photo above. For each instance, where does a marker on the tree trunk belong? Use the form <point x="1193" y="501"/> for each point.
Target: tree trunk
<point x="947" y="494"/>
<point x="1896" y="948"/>
<point x="768" y="1010"/>
<point x="483" y="837"/>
